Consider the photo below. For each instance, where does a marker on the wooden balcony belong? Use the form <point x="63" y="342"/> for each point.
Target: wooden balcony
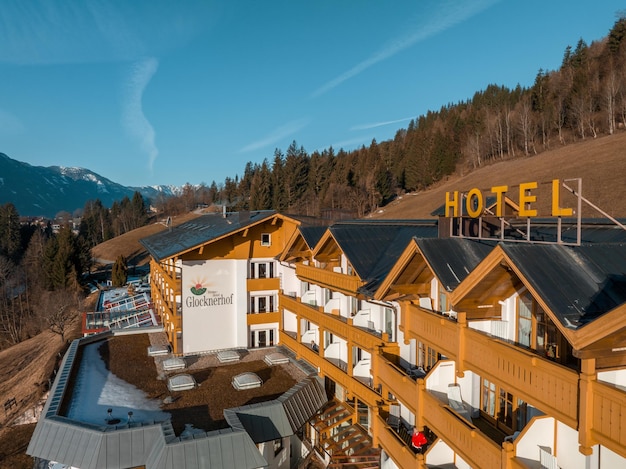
<point x="172" y="282"/>
<point x="334" y="323"/>
<point x="262" y="318"/>
<point x="609" y="417"/>
<point x="440" y="332"/>
<point x="352" y="385"/>
<point x="542" y="383"/>
<point x="168" y="315"/>
<point x="403" y="456"/>
<point x="396" y="381"/>
<point x="348" y="284"/>
<point x="465" y="439"/>
<point x="549" y="386"/>
<point x="260" y="284"/>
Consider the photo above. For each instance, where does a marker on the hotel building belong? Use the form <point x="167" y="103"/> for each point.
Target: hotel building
<point x="506" y="352"/>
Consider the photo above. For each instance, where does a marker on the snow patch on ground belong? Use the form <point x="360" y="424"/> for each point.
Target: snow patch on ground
<point x="97" y="390"/>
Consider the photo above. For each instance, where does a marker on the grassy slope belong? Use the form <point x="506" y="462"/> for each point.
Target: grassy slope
<point x="601" y="163"/>
<point x="128" y="244"/>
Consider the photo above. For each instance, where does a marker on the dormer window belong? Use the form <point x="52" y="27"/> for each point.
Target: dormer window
<point x="266" y="239"/>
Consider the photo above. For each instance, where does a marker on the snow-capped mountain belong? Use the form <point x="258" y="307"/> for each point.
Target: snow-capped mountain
<point x="46" y="191"/>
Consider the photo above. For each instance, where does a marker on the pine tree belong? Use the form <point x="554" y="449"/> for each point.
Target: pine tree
<point x="119" y="273"/>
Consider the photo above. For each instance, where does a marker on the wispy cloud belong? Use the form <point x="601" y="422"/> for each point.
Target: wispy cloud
<point x="379" y="124"/>
<point x="133" y="117"/>
<point x="446" y="15"/>
<point x="10" y="124"/>
<point x="37" y="32"/>
<point x="278" y="134"/>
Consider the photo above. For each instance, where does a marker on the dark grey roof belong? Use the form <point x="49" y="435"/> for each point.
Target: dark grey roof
<point x="220" y="449"/>
<point x="312" y="234"/>
<point x="373" y="246"/>
<point x="282" y="417"/>
<point x="578" y="283"/>
<point x="593" y="231"/>
<point x="199" y="231"/>
<point x="452" y="259"/>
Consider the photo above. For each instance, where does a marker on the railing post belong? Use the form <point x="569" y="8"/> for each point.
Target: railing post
<point x="421" y="392"/>
<point x="585" y="405"/>
<point x="460" y="365"/>
<point x="508" y="453"/>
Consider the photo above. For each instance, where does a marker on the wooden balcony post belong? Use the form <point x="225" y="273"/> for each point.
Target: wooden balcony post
<point x="405" y="320"/>
<point x="349" y="358"/>
<point x="321" y="345"/>
<point x="298" y="328"/>
<point x="460" y="365"/>
<point x="585" y="405"/>
<point x="421" y="392"/>
<point x="508" y="453"/>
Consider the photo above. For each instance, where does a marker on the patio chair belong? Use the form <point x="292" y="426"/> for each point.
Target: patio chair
<point x="456" y="402"/>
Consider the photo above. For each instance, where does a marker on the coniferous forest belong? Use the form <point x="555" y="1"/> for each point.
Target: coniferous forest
<point x="583" y="99"/>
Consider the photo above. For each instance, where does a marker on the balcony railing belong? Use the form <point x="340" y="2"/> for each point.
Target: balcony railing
<point x="348" y="284"/>
<point x="260" y="284"/>
<point x="473" y="446"/>
<point x="173" y="282"/>
<point x="353" y="385"/>
<point x="403" y="456"/>
<point x="542" y="383"/>
<point x="609" y="417"/>
<point x="546" y="385"/>
<point x="397" y="382"/>
<point x="262" y="318"/>
<point x="338" y="325"/>
<point x="440" y="332"/>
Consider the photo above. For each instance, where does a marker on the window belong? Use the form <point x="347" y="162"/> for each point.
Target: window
<point x="536" y="330"/>
<point x="262" y="304"/>
<point x="501" y="408"/>
<point x="443" y="300"/>
<point x="263" y="269"/>
<point x="266" y="239"/>
<point x="524" y="319"/>
<point x="278" y="446"/>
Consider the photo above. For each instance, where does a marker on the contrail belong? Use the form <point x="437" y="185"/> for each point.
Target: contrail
<point x="444" y="19"/>
<point x="133" y="118"/>
<point x="278" y="134"/>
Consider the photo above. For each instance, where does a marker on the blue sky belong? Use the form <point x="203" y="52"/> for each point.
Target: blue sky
<point x="174" y="92"/>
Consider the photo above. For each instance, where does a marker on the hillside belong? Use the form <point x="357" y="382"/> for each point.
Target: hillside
<point x="601" y="163"/>
<point x="128" y="244"/>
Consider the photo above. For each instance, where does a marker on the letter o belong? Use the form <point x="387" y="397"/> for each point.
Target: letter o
<point x="476" y="195"/>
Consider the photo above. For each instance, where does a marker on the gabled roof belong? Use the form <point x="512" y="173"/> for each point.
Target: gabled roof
<point x="373" y="246"/>
<point x="450" y="260"/>
<point x="282" y="417"/>
<point x="201" y="230"/>
<point x="302" y="242"/>
<point x="577" y="286"/>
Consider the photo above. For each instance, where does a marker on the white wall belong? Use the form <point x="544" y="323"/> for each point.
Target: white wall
<point x="289" y="282"/>
<point x="215" y="304"/>
<point x="616" y="377"/>
<point x="439" y="454"/>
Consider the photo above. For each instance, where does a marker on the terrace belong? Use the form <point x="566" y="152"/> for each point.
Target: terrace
<point x="110" y="391"/>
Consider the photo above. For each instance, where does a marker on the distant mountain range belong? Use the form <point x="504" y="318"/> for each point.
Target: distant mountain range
<point x="46" y="191"/>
